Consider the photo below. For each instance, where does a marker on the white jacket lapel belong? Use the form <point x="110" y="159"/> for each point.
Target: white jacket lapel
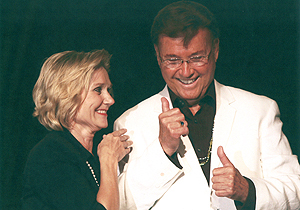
<point x="224" y="119"/>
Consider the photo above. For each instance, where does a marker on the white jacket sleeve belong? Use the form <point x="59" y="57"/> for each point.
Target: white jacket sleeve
<point x="279" y="186"/>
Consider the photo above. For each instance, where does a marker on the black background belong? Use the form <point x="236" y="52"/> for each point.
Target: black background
<point x="258" y="52"/>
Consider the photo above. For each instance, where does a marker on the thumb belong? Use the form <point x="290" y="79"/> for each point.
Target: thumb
<point x="165" y="104"/>
<point x="223" y="158"/>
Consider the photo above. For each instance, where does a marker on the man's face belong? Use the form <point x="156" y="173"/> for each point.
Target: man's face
<point x="188" y="81"/>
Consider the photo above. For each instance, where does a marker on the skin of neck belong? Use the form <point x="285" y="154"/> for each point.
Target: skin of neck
<point x="195" y="108"/>
<point x="194" y="104"/>
<point x="84" y="136"/>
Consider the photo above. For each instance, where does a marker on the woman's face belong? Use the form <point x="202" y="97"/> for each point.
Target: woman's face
<point x="92" y="115"/>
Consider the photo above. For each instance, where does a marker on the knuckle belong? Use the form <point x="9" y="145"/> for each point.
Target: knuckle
<point x="230" y="191"/>
<point x="231" y="177"/>
<point x="176" y="109"/>
<point x="160" y="117"/>
<point x="232" y="170"/>
<point x="213" y="179"/>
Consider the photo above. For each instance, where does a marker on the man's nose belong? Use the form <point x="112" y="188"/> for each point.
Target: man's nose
<point x="185" y="68"/>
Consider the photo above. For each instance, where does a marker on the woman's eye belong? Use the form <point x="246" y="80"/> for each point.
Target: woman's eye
<point x="98" y="89"/>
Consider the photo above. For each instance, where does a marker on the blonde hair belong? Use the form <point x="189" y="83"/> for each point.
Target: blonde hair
<point x="63" y="78"/>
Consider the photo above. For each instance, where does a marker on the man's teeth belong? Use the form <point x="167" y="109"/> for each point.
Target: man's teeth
<point x="186" y="82"/>
<point x="101" y="111"/>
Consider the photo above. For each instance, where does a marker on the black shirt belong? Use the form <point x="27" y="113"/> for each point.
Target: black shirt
<point x="200" y="125"/>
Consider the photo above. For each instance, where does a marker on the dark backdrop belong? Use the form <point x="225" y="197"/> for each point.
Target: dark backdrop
<point x="258" y="52"/>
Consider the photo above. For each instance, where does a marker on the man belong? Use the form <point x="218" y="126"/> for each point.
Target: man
<point x="199" y="144"/>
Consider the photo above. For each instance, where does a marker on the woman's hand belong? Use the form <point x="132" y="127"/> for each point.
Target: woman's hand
<point x="111" y="150"/>
<point x="114" y="146"/>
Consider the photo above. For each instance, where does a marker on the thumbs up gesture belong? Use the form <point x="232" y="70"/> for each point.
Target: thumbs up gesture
<point x="227" y="180"/>
<point x="172" y="125"/>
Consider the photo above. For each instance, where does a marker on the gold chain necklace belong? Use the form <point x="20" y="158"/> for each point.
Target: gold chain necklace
<point x="205" y="160"/>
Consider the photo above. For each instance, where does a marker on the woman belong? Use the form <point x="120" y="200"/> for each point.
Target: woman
<point x="72" y="97"/>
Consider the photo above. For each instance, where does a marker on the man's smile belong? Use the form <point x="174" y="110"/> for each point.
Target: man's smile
<point x="187" y="81"/>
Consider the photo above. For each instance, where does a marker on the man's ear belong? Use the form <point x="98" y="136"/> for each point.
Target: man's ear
<point x="157" y="54"/>
<point x="216" y="48"/>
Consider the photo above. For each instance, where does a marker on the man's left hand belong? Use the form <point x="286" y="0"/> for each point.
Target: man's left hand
<point x="227" y="180"/>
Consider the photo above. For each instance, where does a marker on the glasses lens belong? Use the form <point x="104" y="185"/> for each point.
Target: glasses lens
<point x="172" y="64"/>
<point x="193" y="62"/>
<point x="197" y="63"/>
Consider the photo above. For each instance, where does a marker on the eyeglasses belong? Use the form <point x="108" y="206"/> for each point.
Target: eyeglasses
<point x="195" y="61"/>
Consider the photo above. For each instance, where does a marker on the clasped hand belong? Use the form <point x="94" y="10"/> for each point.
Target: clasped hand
<point x="114" y="145"/>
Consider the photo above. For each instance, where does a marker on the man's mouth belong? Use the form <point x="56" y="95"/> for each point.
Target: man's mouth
<point x="187" y="81"/>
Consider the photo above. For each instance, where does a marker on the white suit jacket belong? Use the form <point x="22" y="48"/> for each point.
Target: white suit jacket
<point x="249" y="129"/>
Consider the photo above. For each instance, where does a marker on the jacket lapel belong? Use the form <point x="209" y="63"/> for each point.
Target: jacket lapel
<point x="224" y="119"/>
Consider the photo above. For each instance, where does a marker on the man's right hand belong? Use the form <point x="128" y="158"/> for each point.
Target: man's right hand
<point x="172" y="125"/>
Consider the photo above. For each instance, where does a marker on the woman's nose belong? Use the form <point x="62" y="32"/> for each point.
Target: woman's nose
<point x="109" y="100"/>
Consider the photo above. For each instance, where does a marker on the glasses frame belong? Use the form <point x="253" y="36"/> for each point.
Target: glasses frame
<point x="181" y="61"/>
